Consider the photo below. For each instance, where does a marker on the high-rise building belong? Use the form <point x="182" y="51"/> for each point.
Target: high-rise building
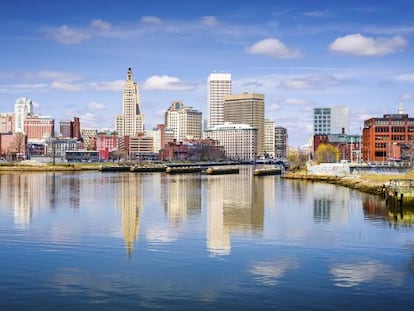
<point x="22" y="108"/>
<point x="219" y="84"/>
<point x="185" y="121"/>
<point x="331" y="120"/>
<point x="239" y="140"/>
<point x="247" y="108"/>
<point x="131" y="121"/>
<point x="65" y="128"/>
<point x="281" y="142"/>
<point x="269" y="138"/>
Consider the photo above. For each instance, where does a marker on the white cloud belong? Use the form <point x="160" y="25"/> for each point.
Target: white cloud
<point x="314" y="82"/>
<point x="359" y="45"/>
<point x="409" y="77"/>
<point x="295" y="102"/>
<point x="166" y="83"/>
<point x="52" y="75"/>
<point x="273" y="47"/>
<point x="406" y="97"/>
<point x="107" y="86"/>
<point x="101" y="25"/>
<point x="88" y="120"/>
<point x="64" y="86"/>
<point x="95" y="106"/>
<point x="151" y="20"/>
<point x="67" y="35"/>
<point x="209" y="21"/>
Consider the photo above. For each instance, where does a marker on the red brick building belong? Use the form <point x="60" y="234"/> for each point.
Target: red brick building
<point x="383" y="138"/>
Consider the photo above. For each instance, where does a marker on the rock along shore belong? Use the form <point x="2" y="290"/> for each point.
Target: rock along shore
<point x="354" y="182"/>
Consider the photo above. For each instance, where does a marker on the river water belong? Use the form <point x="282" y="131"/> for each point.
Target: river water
<point x="131" y="241"/>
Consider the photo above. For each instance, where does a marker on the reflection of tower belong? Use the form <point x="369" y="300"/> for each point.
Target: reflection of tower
<point x="130" y="201"/>
<point x="243" y="202"/>
<point x="235" y="203"/>
<point x="22" y="206"/>
<point x="74" y="192"/>
<point x="330" y="203"/>
<point x="184" y="197"/>
<point x="218" y="237"/>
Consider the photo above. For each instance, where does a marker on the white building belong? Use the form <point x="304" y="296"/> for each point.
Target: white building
<point x="239" y="140"/>
<point x="219" y="84"/>
<point x="331" y="120"/>
<point x="185" y="121"/>
<point x="131" y="121"/>
<point x="22" y="108"/>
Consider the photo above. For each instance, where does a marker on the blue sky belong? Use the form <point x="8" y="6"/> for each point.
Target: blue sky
<point x="71" y="57"/>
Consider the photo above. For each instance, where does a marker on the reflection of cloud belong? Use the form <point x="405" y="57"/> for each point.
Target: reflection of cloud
<point x="160" y="236"/>
<point x="270" y="273"/>
<point x="349" y="275"/>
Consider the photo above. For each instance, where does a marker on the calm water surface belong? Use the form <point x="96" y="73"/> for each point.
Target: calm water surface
<point x="128" y="241"/>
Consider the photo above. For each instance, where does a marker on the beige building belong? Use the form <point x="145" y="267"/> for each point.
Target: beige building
<point x="247" y="108"/>
<point x="239" y="140"/>
<point x="219" y="84"/>
<point x="6" y="123"/>
<point x="269" y="138"/>
<point x="131" y="121"/>
<point x="185" y="121"/>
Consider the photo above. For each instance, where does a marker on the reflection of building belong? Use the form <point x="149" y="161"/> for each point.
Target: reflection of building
<point x="130" y="201"/>
<point x="235" y="204"/>
<point x="330" y="203"/>
<point x="183" y="197"/>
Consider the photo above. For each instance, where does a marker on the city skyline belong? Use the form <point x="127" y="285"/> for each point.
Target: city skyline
<point x="71" y="59"/>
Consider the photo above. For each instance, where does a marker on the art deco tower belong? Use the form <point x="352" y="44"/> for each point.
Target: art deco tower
<point x="131" y="121"/>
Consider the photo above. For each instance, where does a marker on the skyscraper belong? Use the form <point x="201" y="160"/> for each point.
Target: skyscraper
<point x="22" y="108"/>
<point x="131" y="121"/>
<point x="247" y="108"/>
<point x="219" y="84"/>
<point x="331" y="120"/>
<point x="185" y="121"/>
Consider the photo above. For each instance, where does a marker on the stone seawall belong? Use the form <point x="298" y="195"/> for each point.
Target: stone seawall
<point x="354" y="182"/>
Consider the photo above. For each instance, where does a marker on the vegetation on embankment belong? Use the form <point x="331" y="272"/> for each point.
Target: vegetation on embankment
<point x="16" y="167"/>
<point x="369" y="183"/>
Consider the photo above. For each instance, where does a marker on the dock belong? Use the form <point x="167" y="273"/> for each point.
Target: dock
<point x="222" y="170"/>
<point x="183" y="169"/>
<point x="267" y="171"/>
<point x="147" y="169"/>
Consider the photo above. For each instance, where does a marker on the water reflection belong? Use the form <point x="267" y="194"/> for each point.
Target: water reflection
<point x="359" y="273"/>
<point x="129" y="198"/>
<point x="270" y="273"/>
<point x="234" y="205"/>
<point x="375" y="208"/>
<point x="183" y="196"/>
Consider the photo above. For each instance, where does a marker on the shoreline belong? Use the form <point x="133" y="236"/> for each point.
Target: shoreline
<point x="355" y="182"/>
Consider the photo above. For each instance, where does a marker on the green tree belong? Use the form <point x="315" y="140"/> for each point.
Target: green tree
<point x="327" y="153"/>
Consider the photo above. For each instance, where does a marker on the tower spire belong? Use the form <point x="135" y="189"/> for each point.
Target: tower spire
<point x="400" y="108"/>
<point x="129" y="74"/>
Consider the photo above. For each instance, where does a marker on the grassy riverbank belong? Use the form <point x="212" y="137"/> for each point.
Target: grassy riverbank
<point x="369" y="183"/>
